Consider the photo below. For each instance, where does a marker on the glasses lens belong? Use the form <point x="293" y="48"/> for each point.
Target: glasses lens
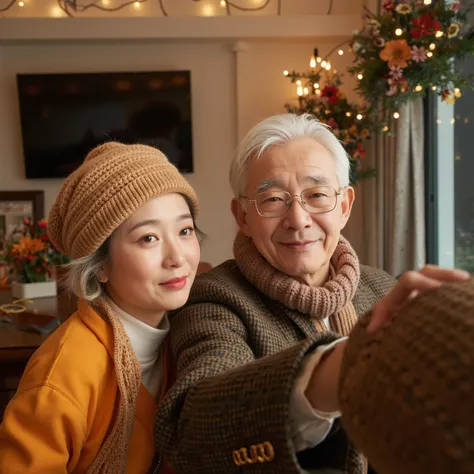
<point x="320" y="199"/>
<point x="273" y="203"/>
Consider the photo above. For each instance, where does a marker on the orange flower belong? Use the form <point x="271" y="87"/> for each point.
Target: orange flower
<point x="28" y="246"/>
<point x="396" y="53"/>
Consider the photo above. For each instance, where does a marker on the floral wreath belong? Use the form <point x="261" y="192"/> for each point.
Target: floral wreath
<point x="410" y="47"/>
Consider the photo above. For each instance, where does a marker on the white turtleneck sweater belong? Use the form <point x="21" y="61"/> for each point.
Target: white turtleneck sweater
<point x="146" y="342"/>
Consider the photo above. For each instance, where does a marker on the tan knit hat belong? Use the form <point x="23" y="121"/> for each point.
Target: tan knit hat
<point x="113" y="182"/>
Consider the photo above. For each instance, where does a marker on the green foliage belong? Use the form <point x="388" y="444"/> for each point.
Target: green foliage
<point x="439" y="30"/>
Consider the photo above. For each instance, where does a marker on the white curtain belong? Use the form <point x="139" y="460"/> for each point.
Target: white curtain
<point x="387" y="227"/>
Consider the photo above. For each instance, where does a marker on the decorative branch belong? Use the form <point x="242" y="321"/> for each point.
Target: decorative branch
<point x="9" y="5"/>
<point x="67" y="5"/>
<point x="331" y="4"/>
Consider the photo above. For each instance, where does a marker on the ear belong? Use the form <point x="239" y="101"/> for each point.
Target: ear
<point x="102" y="275"/>
<point x="240" y="215"/>
<point x="347" y="200"/>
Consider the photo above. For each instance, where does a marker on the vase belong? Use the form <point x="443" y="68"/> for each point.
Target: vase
<point x="34" y="290"/>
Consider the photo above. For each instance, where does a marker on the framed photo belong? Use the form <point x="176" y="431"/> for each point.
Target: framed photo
<point x="15" y="206"/>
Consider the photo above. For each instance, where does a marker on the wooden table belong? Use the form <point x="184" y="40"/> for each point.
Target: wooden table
<point x="17" y="346"/>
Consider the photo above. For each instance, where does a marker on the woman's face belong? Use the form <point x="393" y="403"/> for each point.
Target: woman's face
<point x="153" y="258"/>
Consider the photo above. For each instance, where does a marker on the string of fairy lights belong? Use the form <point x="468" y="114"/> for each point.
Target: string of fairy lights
<point x="319" y="64"/>
<point x="72" y="7"/>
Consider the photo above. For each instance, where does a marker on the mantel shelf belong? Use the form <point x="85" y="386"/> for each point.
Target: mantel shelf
<point x="238" y="27"/>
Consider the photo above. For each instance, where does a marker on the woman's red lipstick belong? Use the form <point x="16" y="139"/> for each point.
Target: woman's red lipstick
<point x="175" y="283"/>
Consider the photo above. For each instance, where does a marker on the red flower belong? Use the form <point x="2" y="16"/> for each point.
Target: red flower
<point x="43" y="238"/>
<point x="361" y="150"/>
<point x="425" y="25"/>
<point x="42" y="224"/>
<point x="330" y="92"/>
<point x="38" y="270"/>
<point x="26" y="221"/>
<point x="389" y="6"/>
<point x="332" y="123"/>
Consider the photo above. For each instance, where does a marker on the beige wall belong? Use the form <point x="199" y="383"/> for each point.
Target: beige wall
<point x="231" y="91"/>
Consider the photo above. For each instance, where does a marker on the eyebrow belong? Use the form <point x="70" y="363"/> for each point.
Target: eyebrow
<point x="149" y="222"/>
<point x="267" y="184"/>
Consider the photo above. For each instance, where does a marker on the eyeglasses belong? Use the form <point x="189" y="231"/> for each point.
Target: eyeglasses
<point x="317" y="200"/>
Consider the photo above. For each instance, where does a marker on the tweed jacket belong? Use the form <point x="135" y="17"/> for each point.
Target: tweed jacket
<point x="238" y="355"/>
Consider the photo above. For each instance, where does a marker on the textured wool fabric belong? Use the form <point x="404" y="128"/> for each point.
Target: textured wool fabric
<point x="407" y="392"/>
<point x="239" y="353"/>
<point x="332" y="300"/>
<point x="113" y="182"/>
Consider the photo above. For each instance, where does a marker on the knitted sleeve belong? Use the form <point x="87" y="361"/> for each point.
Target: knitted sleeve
<point x="406" y="393"/>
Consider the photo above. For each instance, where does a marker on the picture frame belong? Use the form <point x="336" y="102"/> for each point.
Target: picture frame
<point x="15" y="206"/>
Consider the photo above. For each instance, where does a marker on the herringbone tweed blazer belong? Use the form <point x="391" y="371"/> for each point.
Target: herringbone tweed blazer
<point x="238" y="354"/>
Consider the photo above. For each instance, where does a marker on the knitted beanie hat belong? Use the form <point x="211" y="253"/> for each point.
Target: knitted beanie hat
<point x="112" y="183"/>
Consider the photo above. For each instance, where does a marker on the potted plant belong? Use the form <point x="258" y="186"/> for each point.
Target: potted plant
<point x="32" y="258"/>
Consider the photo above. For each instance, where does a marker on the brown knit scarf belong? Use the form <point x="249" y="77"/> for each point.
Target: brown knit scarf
<point x="112" y="456"/>
<point x="333" y="300"/>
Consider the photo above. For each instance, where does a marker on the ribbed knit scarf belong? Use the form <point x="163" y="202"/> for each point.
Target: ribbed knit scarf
<point x="112" y="456"/>
<point x="333" y="300"/>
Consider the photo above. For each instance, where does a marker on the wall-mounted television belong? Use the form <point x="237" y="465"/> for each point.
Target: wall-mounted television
<point x="64" y="116"/>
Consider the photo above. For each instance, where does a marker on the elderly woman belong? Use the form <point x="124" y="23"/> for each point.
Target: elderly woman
<point x="87" y="399"/>
<point x="260" y="342"/>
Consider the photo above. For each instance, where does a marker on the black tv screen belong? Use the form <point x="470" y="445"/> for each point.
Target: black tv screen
<point x="64" y="116"/>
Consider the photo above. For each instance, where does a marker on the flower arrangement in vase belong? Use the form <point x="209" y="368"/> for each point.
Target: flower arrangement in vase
<point x="32" y="257"/>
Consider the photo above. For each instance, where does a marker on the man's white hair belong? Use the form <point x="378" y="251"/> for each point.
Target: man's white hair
<point x="281" y="129"/>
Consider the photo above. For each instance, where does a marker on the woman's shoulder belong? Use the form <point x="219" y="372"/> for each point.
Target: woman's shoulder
<point x="73" y="361"/>
<point x="221" y="282"/>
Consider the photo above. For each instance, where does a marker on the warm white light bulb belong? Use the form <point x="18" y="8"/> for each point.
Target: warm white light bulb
<point x="340" y="52"/>
<point x="299" y="91"/>
<point x="439" y="34"/>
<point x="316" y="85"/>
<point x="432" y="46"/>
<point x="396" y="115"/>
<point x="418" y="88"/>
<point x="136" y="4"/>
<point x="385" y="129"/>
<point x="452" y="121"/>
<point x="312" y="62"/>
<point x="298" y="82"/>
<point x="348" y="114"/>
<point x="285" y="72"/>
<point x="359" y="117"/>
<point x="318" y="59"/>
<point x="433" y="88"/>
<point x="328" y="66"/>
<point x="306" y="91"/>
<point x="360" y="76"/>
<point x="427" y="2"/>
<point x="399" y="32"/>
<point x="323" y="64"/>
<point x="21" y="4"/>
<point x="223" y="3"/>
<point x="429" y="54"/>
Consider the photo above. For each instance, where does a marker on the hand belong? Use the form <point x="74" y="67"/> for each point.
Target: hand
<point x="410" y="285"/>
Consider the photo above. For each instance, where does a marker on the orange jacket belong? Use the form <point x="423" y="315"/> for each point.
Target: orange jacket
<point x="65" y="402"/>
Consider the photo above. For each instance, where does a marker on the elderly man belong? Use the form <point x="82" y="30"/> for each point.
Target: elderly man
<point x="260" y="343"/>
